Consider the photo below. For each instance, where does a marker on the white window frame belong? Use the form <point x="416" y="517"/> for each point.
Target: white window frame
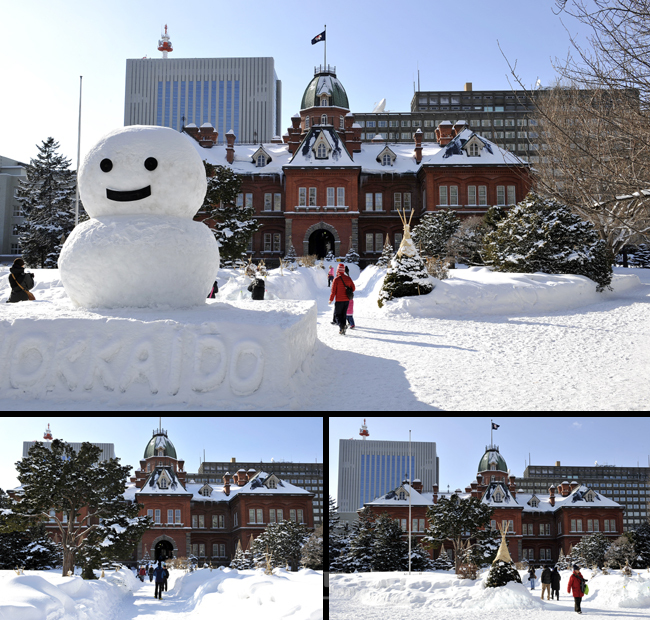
<point x="442" y="196"/>
<point x="471" y="195"/>
<point x="321" y="151"/>
<point x="379" y="201"/>
<point x="511" y="195"/>
<point x="501" y="195"/>
<point x="397" y="201"/>
<point x="369" y="201"/>
<point x="482" y="195"/>
<point x="340" y="196"/>
<point x="453" y="195"/>
<point x="330" y="196"/>
<point x="277" y="202"/>
<point x="302" y="196"/>
<point x="313" y="195"/>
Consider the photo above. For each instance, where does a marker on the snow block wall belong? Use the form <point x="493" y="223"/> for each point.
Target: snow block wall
<point x="224" y="350"/>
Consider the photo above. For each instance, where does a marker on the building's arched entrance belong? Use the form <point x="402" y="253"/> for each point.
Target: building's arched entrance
<point x="164" y="550"/>
<point x="321" y="242"/>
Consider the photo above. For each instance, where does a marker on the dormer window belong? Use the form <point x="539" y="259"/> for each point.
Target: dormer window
<point x="321" y="147"/>
<point x="534" y="502"/>
<point x="473" y="150"/>
<point x="161" y="452"/>
<point x="473" y="147"/>
<point x="323" y="100"/>
<point x="497" y="496"/>
<point x="321" y="151"/>
<point x="402" y="495"/>
<point x="272" y="484"/>
<point x="163" y="483"/>
<point x="261" y="161"/>
<point x="206" y="490"/>
<point x="589" y="496"/>
<point x="261" y="158"/>
<point x="386" y="157"/>
<point x="164" y="480"/>
<point x="386" y="160"/>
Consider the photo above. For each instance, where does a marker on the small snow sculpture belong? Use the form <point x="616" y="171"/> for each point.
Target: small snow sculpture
<point x="141" y="186"/>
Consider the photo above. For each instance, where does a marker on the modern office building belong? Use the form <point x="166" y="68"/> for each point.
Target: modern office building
<point x="107" y="449"/>
<point x="239" y="94"/>
<point x="502" y="116"/>
<point x="628" y="486"/>
<point x="370" y="468"/>
<point x="308" y="476"/>
<point x="11" y="214"/>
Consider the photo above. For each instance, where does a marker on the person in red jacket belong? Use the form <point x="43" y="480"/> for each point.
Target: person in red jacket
<point x="575" y="586"/>
<point x="339" y="296"/>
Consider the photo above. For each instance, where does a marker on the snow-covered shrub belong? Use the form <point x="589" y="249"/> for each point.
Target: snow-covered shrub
<point x="540" y="234"/>
<point x="406" y="276"/>
<point x="434" y="231"/>
<point x="501" y="573"/>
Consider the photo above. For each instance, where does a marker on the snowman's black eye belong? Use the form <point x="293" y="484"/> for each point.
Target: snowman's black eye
<point x="151" y="163"/>
<point x="106" y="165"/>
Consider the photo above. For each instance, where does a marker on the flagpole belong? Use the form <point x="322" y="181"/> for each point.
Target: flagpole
<point x="325" y="56"/>
<point x="410" y="489"/>
<point x="491" y="429"/>
<point x="76" y="204"/>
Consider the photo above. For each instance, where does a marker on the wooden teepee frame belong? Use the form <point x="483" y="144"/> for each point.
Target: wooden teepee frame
<point x="407" y="232"/>
<point x="503" y="553"/>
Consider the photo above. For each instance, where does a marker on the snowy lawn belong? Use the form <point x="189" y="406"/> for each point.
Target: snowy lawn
<point x="479" y="341"/>
<point x="440" y="595"/>
<point x="204" y="594"/>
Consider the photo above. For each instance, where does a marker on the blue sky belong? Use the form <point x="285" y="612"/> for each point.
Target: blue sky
<point x="243" y="437"/>
<point x="376" y="47"/>
<point x="460" y="441"/>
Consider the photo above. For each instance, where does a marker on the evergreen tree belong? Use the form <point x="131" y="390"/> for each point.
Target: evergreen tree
<point x="233" y="226"/>
<point x="420" y="560"/>
<point x="386" y="254"/>
<point x="484" y="549"/>
<point x="352" y="257"/>
<point x="592" y="549"/>
<point x="291" y="255"/>
<point x="329" y="257"/>
<point x="312" y="551"/>
<point x="443" y="561"/>
<point x="285" y="541"/>
<point x="338" y="563"/>
<point x="333" y="536"/>
<point x="641" y="542"/>
<point x="494" y="215"/>
<point x="32" y="549"/>
<point x="466" y="244"/>
<point x="243" y="559"/>
<point x="67" y="481"/>
<point x="406" y="276"/>
<point x="501" y="573"/>
<point x="389" y="549"/>
<point x="620" y="551"/>
<point x="541" y="234"/>
<point x="434" y="231"/>
<point x="47" y="197"/>
<point x="456" y="519"/>
<point x="641" y="256"/>
<point x="562" y="563"/>
<point x="360" y="553"/>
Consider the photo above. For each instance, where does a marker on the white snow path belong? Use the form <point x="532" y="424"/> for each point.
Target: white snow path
<point x="143" y="605"/>
<point x="594" y="358"/>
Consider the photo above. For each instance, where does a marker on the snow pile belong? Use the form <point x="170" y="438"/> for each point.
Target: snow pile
<point x="617" y="590"/>
<point x="47" y="595"/>
<point x="430" y="590"/>
<point x="478" y="290"/>
<point x="252" y="594"/>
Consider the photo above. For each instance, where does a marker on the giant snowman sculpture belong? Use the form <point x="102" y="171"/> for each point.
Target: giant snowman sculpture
<point x="141" y="187"/>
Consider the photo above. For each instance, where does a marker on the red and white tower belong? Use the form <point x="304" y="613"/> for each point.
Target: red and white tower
<point x="364" y="430"/>
<point x="48" y="434"/>
<point x="165" y="44"/>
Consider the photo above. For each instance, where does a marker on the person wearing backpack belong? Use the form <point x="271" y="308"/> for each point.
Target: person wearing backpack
<point x="576" y="586"/>
<point x="342" y="291"/>
<point x="21" y="282"/>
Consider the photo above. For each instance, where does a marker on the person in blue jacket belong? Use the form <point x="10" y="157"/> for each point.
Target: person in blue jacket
<point x="159" y="576"/>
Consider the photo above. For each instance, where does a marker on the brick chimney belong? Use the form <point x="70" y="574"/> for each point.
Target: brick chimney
<point x="551" y="492"/>
<point x="435" y="493"/>
<point x="226" y="483"/>
<point x="230" y="147"/>
<point x="458" y="127"/>
<point x="417" y="485"/>
<point x="294" y="133"/>
<point x="417" y="136"/>
<point x="352" y="134"/>
<point x="242" y="477"/>
<point x="276" y="140"/>
<point x="443" y="133"/>
<point x="512" y="487"/>
<point x="206" y="135"/>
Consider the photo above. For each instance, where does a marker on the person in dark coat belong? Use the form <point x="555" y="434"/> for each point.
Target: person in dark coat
<point x="257" y="288"/>
<point x="166" y="575"/>
<point x="531" y="576"/>
<point x="339" y="296"/>
<point x="546" y="583"/>
<point x="555" y="583"/>
<point x="20" y="282"/>
<point x="150" y="573"/>
<point x="575" y="587"/>
<point x="159" y="576"/>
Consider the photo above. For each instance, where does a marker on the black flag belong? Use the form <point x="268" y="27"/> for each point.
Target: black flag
<point x="494" y="426"/>
<point x="318" y="38"/>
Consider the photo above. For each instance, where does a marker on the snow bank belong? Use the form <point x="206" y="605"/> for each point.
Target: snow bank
<point x="478" y="290"/>
<point x="46" y="595"/>
<point x="618" y="590"/>
<point x="221" y="351"/>
<point x="430" y="590"/>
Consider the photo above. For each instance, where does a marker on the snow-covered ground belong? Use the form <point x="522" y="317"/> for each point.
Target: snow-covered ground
<point x="440" y="595"/>
<point x="479" y="341"/>
<point x="204" y="594"/>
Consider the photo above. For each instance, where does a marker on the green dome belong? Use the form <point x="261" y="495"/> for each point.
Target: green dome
<point x="160" y="440"/>
<point x="490" y="457"/>
<point x="325" y="83"/>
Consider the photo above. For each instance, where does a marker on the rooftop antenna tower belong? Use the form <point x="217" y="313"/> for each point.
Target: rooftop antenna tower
<point x="364" y="430"/>
<point x="165" y="44"/>
<point x="48" y="434"/>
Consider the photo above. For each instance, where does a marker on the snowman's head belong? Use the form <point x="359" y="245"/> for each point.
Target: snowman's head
<point x="142" y="170"/>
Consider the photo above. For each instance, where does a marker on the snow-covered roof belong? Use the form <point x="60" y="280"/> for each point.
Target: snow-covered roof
<point x="392" y="498"/>
<point x="432" y="155"/>
<point x="152" y="486"/>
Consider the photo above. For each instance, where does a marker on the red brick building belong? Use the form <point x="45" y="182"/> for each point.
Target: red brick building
<point x="208" y="520"/>
<point x="538" y="524"/>
<point x="320" y="188"/>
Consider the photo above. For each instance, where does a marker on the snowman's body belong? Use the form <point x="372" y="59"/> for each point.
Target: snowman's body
<point x="141" y="186"/>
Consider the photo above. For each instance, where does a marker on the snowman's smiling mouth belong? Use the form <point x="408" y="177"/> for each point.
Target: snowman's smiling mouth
<point x="134" y="194"/>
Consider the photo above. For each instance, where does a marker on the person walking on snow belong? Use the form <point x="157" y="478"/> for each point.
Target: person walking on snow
<point x="159" y="576"/>
<point x="166" y="575"/>
<point x="349" y="314"/>
<point x="576" y="586"/>
<point x="555" y="583"/>
<point x="340" y="297"/>
<point x="531" y="576"/>
<point x="546" y="583"/>
<point x="143" y="572"/>
<point x="330" y="275"/>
